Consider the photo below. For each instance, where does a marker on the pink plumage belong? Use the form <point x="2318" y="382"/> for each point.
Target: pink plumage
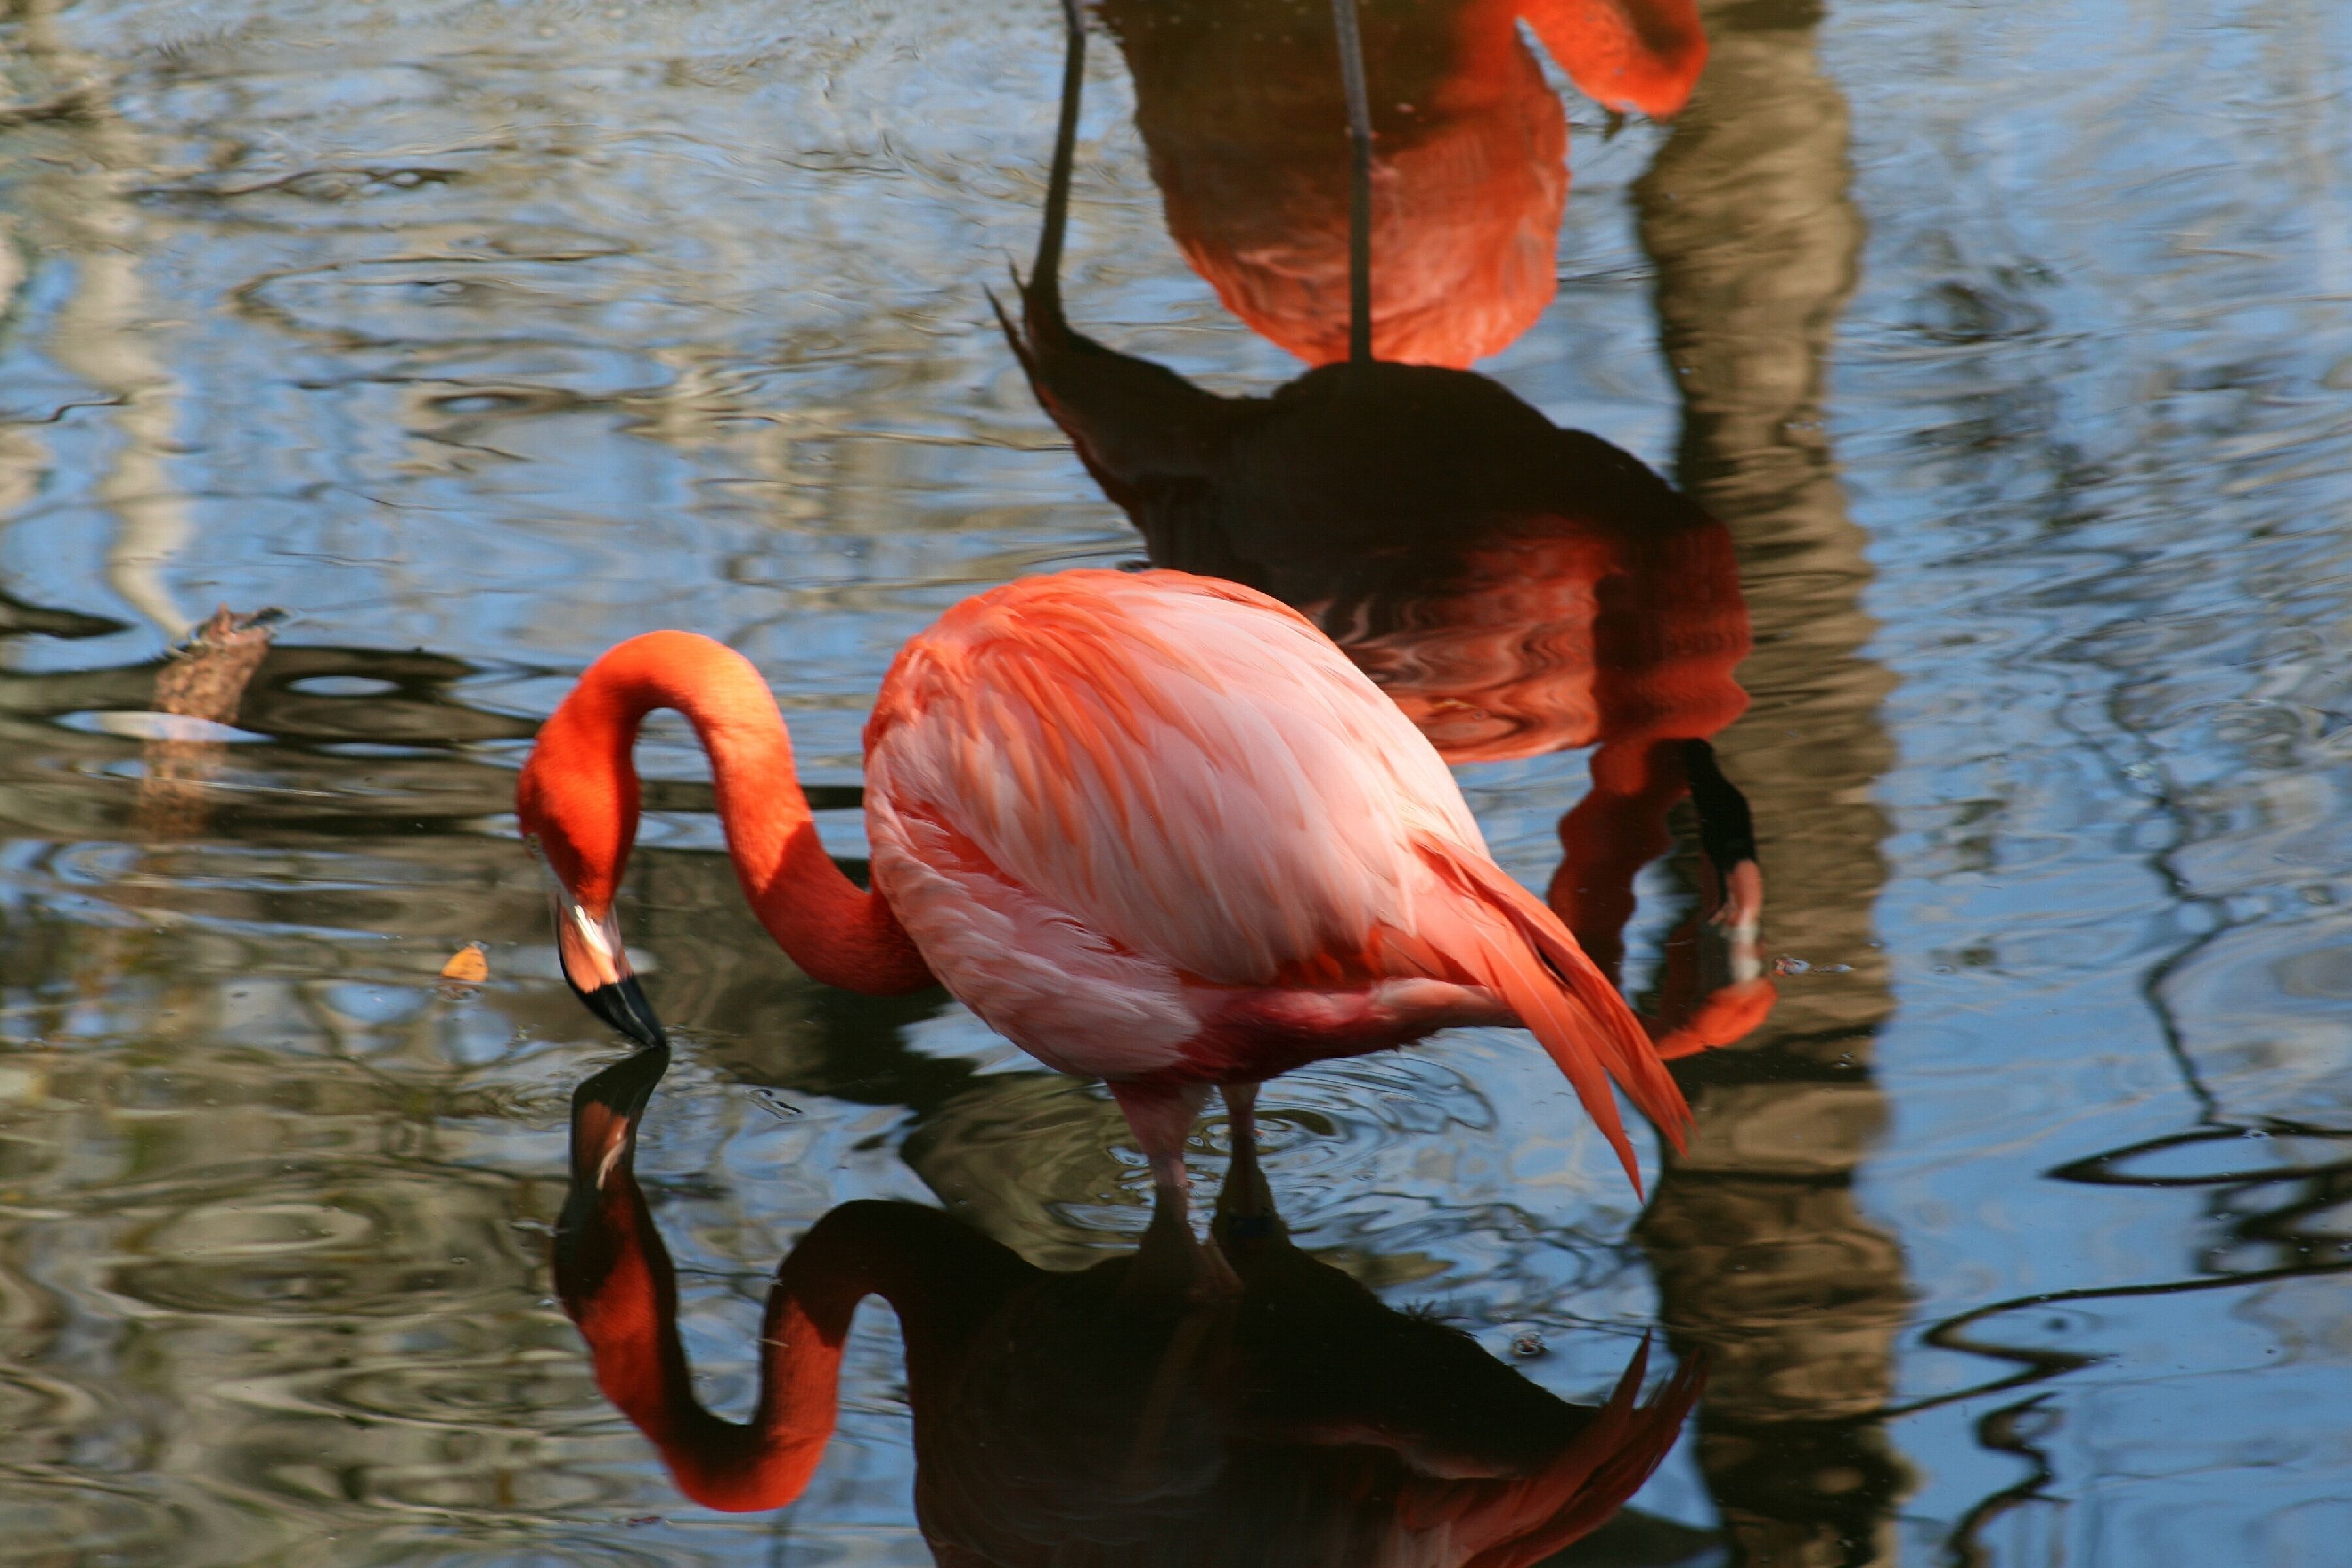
<point x="1157" y="827"/>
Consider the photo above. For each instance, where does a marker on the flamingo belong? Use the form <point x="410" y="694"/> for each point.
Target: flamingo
<point x="1105" y="1416"/>
<point x="1238" y="105"/>
<point x="1153" y="827"/>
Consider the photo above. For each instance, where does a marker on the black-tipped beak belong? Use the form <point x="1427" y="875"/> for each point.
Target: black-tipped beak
<point x="597" y="967"/>
<point x="623" y="1004"/>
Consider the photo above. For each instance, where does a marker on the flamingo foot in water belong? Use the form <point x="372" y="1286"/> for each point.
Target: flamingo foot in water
<point x="1173" y="1261"/>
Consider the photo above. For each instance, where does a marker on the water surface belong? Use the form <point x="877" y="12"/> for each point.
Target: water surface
<point x="2005" y="344"/>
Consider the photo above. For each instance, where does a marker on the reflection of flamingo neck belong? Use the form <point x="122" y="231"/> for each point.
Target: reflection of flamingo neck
<point x="1630" y="54"/>
<point x="580" y="792"/>
<point x="620" y="1288"/>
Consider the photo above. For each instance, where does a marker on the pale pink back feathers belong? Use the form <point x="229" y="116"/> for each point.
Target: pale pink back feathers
<point x="1103" y="802"/>
<point x="1220" y="787"/>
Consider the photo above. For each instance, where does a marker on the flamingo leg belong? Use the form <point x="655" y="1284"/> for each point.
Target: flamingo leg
<point x="1162" y="1116"/>
<point x="1241" y="1113"/>
<point x="1245" y="1205"/>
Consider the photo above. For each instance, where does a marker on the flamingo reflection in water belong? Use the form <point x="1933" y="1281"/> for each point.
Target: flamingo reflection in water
<point x="1514" y="588"/>
<point x="1240" y="109"/>
<point x="1108" y="1416"/>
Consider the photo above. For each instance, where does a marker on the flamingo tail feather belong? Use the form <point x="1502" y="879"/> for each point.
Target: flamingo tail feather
<point x="1568" y="1004"/>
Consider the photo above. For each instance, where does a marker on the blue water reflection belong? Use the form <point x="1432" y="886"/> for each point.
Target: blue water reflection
<point x="478" y="338"/>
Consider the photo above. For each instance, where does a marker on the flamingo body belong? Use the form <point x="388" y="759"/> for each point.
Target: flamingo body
<point x="1239" y="109"/>
<point x="1177" y="793"/>
<point x="1153" y="827"/>
<point x="1157" y="827"/>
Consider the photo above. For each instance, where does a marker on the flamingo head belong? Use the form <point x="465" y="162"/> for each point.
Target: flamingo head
<point x="580" y="819"/>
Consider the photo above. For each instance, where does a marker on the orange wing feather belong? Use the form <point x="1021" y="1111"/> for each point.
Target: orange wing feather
<point x="1561" y="997"/>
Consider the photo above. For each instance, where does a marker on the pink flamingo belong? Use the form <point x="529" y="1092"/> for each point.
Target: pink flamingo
<point x="1153" y="827"/>
<point x="1237" y="104"/>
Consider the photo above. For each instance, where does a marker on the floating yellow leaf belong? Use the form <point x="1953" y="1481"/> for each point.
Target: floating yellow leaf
<point x="468" y="967"/>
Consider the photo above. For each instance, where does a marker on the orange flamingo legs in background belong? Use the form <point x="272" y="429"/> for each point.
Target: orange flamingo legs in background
<point x="1153" y="827"/>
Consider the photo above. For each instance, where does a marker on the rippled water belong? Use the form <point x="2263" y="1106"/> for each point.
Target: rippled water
<point x="2006" y="342"/>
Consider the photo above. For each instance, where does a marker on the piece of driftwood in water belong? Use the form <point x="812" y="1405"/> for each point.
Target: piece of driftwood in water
<point x="204" y="680"/>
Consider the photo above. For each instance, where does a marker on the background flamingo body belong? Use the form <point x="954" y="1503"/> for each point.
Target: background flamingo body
<point x="1153" y="827"/>
<point x="1242" y="114"/>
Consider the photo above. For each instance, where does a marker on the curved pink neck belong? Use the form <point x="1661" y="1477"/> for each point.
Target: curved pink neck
<point x="583" y="787"/>
<point x="617" y="1282"/>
